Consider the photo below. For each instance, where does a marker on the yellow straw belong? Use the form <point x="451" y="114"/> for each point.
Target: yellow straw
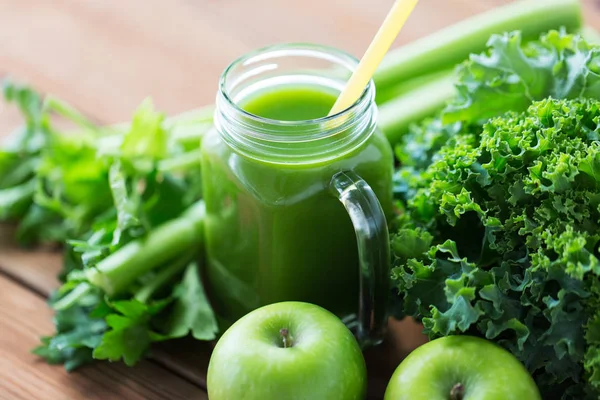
<point x="384" y="38"/>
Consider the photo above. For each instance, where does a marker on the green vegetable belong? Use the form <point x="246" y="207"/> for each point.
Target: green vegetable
<point x="511" y="76"/>
<point x="19" y="161"/>
<point x="450" y="46"/>
<point x="126" y="201"/>
<point x="138" y="324"/>
<point x="499" y="233"/>
<point x="389" y="93"/>
<point x="396" y="116"/>
<point x="117" y="271"/>
<point x="130" y="331"/>
<point x="191" y="312"/>
<point x="416" y="80"/>
<point x="78" y="332"/>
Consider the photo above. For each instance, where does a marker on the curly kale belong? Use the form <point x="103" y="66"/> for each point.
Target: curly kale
<point x="500" y="196"/>
<point x="512" y="75"/>
<point x="501" y="236"/>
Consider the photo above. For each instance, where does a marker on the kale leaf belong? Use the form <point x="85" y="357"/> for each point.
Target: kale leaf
<point x="499" y="231"/>
<point x="504" y="234"/>
<point x="511" y="75"/>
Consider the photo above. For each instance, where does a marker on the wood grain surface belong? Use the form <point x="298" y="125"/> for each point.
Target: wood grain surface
<point x="105" y="57"/>
<point x="24" y="317"/>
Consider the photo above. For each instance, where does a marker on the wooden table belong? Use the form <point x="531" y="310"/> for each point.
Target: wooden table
<point x="105" y="57"/>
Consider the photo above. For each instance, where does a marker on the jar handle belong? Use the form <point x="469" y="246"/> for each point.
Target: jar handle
<point x="372" y="239"/>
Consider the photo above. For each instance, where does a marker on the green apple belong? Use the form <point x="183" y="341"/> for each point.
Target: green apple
<point x="288" y="350"/>
<point x="461" y="368"/>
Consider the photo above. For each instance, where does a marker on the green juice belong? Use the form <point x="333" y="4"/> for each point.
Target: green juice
<point x="292" y="104"/>
<point x="274" y="230"/>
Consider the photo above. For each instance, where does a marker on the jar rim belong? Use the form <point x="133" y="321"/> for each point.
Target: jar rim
<point x="313" y="140"/>
<point x="325" y="52"/>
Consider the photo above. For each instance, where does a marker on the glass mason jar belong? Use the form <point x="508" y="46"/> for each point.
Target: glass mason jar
<point x="297" y="210"/>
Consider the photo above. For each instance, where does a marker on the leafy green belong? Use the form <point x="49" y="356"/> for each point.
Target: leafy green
<point x="130" y="333"/>
<point x="451" y="45"/>
<point x="146" y="142"/>
<point x="15" y="201"/>
<point x="72" y="182"/>
<point x="413" y="82"/>
<point x="500" y="199"/>
<point x="423" y="141"/>
<point x="78" y="332"/>
<point x="511" y="75"/>
<point x="19" y="160"/>
<point x="191" y="312"/>
<point x="503" y="233"/>
<point x="126" y="202"/>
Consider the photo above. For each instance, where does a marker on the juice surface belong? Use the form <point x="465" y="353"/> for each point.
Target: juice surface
<point x="275" y="232"/>
<point x="292" y="104"/>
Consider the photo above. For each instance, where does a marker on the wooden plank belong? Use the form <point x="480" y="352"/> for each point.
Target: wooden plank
<point x="402" y="338"/>
<point x="106" y="57"/>
<point x="187" y="357"/>
<point x="24" y="318"/>
<point x="36" y="269"/>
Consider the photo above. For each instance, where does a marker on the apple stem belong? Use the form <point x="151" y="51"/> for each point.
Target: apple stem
<point x="457" y="392"/>
<point x="286" y="338"/>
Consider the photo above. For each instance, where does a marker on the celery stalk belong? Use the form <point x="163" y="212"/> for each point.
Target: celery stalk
<point x="396" y="115"/>
<point x="386" y="94"/>
<point x="117" y="271"/>
<point x="164" y="275"/>
<point x="447" y="47"/>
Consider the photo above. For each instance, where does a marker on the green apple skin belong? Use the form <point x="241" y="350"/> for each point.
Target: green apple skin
<point x="485" y="370"/>
<point x="324" y="362"/>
